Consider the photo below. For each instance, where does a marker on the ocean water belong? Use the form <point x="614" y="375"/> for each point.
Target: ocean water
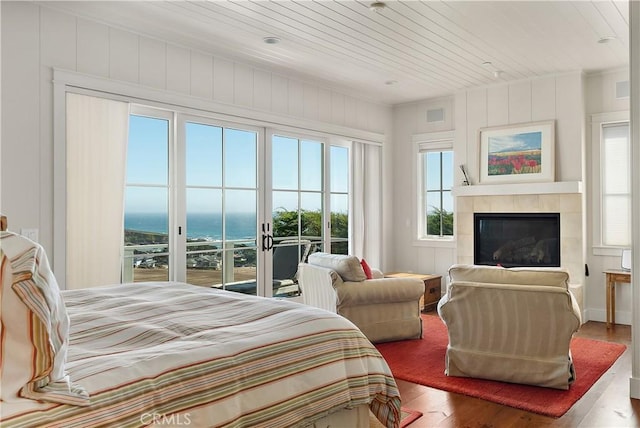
<point x="199" y="225"/>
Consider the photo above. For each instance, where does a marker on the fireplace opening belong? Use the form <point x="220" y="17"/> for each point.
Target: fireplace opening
<point x="517" y="239"/>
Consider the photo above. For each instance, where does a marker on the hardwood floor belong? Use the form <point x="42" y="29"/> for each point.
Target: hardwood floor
<point x="606" y="404"/>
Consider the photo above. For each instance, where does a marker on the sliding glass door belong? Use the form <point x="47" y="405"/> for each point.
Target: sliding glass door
<point x="191" y="202"/>
<point x="297" y="200"/>
<point x="310" y="203"/>
<point x="230" y="206"/>
<point x="221" y="200"/>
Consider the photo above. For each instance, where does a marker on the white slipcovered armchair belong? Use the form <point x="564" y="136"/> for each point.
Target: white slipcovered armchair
<point x="511" y="325"/>
<point x="384" y="309"/>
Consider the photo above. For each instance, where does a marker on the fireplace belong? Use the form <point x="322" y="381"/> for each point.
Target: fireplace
<point x="517" y="239"/>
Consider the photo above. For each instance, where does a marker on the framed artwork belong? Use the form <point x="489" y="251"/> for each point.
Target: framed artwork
<point x="518" y="153"/>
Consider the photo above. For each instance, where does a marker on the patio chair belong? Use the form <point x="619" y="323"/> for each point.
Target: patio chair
<point x="286" y="258"/>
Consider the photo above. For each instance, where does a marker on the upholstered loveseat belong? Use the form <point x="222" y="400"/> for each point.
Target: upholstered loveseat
<point x="512" y="325"/>
<point x="384" y="309"/>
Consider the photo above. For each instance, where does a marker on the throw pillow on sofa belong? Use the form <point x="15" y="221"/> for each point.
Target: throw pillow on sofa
<point x="366" y="269"/>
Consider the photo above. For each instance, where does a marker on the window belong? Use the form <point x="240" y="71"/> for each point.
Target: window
<point x="612" y="186"/>
<point x="616" y="185"/>
<point x="435" y="208"/>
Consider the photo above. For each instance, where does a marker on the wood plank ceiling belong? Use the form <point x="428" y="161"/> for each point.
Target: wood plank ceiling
<point x="407" y="51"/>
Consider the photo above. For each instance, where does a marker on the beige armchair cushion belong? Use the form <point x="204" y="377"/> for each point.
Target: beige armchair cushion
<point x="378" y="291"/>
<point x="499" y="275"/>
<point x="348" y="267"/>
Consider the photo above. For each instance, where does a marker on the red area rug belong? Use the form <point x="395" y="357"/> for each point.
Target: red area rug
<point x="422" y="361"/>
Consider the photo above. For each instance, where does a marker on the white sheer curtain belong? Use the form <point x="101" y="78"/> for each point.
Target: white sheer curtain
<point x="97" y="133"/>
<point x="367" y="203"/>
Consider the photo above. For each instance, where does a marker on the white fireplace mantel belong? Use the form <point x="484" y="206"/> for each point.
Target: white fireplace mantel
<point x="519" y="189"/>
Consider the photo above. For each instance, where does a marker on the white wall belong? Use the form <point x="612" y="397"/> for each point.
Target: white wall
<point x="601" y="98"/>
<point x="36" y="39"/>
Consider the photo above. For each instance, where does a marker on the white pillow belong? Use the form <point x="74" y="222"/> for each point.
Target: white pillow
<point x="36" y="327"/>
<point x="348" y="267"/>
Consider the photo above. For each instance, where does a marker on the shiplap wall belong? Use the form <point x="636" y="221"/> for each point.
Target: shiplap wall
<point x="36" y="39"/>
<point x="601" y="98"/>
<point x="557" y="97"/>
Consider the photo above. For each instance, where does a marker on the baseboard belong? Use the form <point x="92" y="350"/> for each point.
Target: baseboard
<point x="622" y="317"/>
<point x="634" y="387"/>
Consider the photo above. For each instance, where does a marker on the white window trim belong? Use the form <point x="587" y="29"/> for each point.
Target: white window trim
<point x="435" y="141"/>
<point x="597" y="120"/>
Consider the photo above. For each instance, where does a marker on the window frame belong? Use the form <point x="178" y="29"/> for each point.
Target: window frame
<point x="598" y="121"/>
<point x="429" y="142"/>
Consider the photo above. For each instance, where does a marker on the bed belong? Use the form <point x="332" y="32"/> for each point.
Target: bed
<point x="174" y="354"/>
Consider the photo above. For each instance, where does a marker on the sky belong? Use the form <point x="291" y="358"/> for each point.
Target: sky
<point x="516" y="142"/>
<point x="148" y="164"/>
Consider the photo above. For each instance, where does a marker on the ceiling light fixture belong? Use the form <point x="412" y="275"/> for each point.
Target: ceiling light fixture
<point x="377" y="6"/>
<point x="606" y="39"/>
<point x="497" y="73"/>
<point x="270" y="40"/>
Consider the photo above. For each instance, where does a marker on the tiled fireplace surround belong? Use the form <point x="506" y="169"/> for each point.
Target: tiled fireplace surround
<point x="569" y="205"/>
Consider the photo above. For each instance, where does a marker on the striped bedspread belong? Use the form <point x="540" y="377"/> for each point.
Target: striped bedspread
<point x="173" y="354"/>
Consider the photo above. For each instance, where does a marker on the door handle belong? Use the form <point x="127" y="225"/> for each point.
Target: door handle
<point x="267" y="242"/>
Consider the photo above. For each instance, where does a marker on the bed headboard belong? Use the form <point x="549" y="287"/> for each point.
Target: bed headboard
<point x="3" y="222"/>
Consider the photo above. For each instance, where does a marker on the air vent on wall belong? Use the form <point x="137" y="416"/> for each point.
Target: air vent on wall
<point x="435" y="115"/>
<point x="622" y="89"/>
